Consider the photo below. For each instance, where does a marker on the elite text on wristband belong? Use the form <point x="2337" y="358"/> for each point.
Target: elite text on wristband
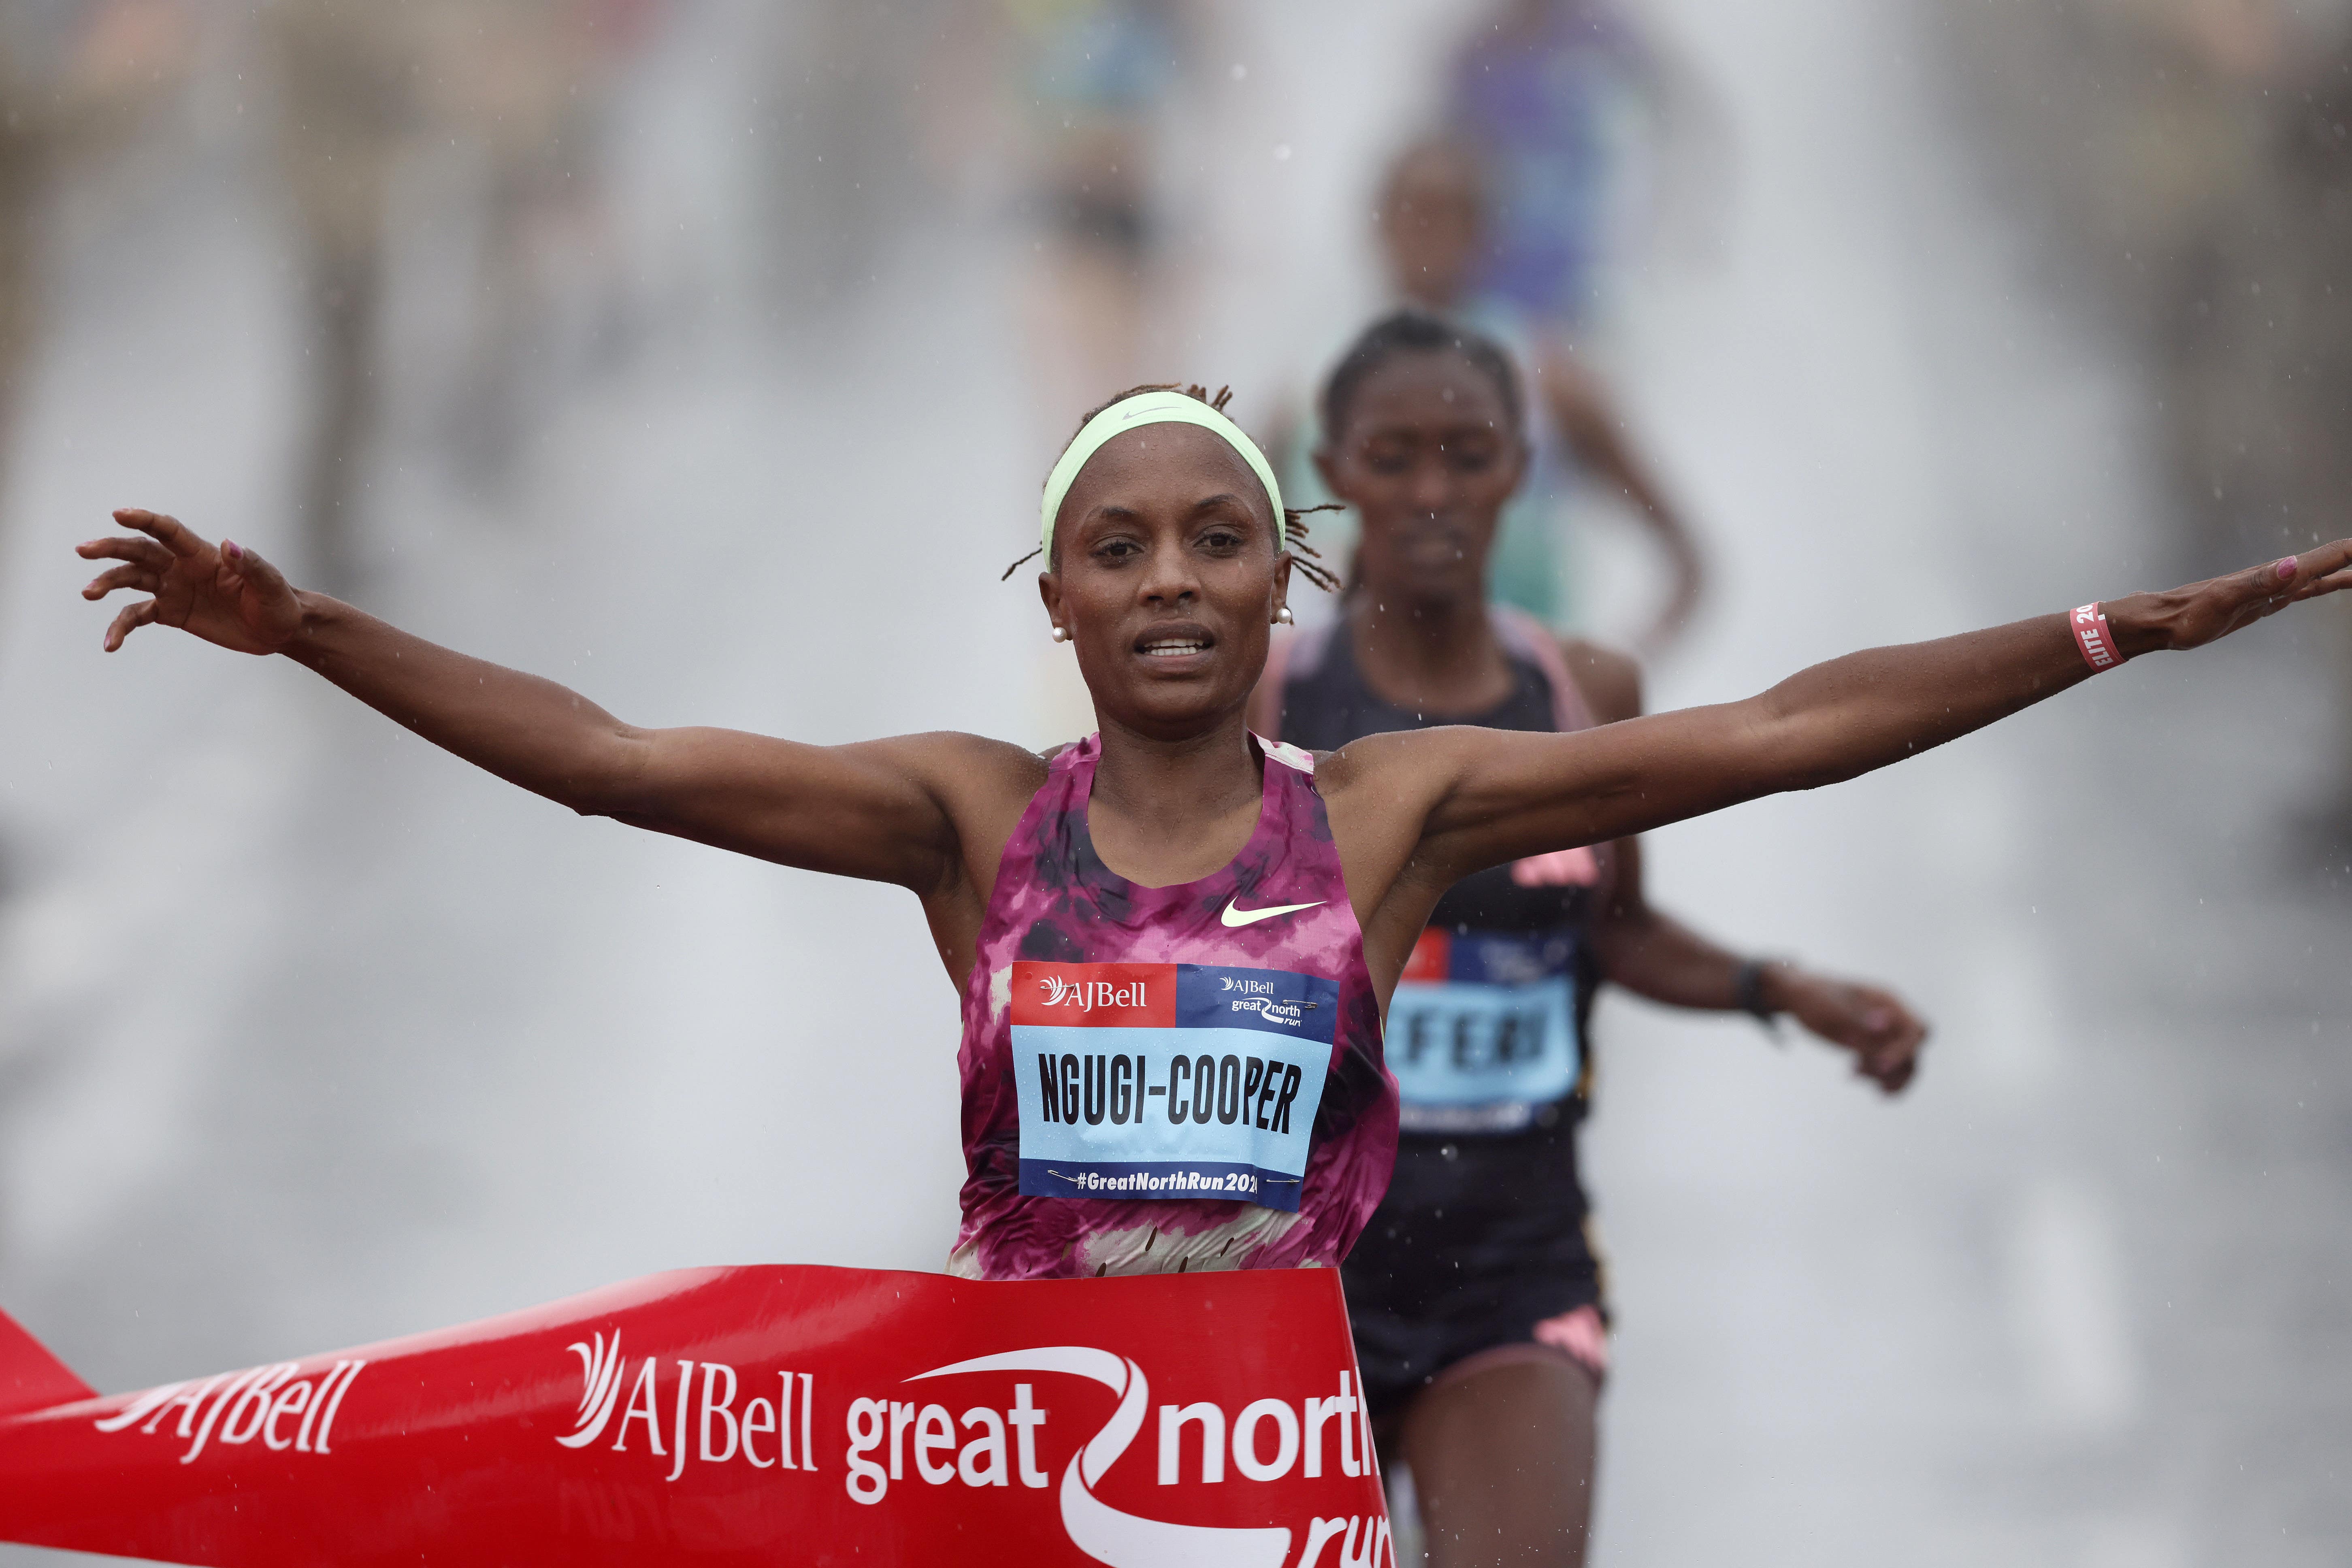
<point x="2092" y="636"/>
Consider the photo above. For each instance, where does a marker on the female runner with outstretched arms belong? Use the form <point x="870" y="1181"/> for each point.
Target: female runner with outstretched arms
<point x="1277" y="895"/>
<point x="1475" y="1292"/>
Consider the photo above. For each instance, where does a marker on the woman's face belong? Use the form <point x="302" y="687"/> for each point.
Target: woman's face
<point x="1167" y="575"/>
<point x="1433" y="225"/>
<point x="1429" y="456"/>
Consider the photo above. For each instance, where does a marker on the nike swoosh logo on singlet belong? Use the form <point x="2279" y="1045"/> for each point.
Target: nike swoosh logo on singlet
<point x="1235" y="915"/>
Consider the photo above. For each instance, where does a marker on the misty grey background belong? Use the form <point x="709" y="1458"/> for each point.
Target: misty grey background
<point x="310" y="1035"/>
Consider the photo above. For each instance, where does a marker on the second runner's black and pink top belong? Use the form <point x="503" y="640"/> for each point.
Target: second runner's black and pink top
<point x="1160" y="1080"/>
<point x="1483" y="1235"/>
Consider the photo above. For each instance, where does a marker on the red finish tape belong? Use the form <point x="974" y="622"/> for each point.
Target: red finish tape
<point x="750" y="1416"/>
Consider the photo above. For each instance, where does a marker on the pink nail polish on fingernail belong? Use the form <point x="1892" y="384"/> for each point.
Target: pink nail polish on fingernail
<point x="2286" y="568"/>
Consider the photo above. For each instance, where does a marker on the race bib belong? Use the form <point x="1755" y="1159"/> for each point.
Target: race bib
<point x="1482" y="1030"/>
<point x="1168" y="1081"/>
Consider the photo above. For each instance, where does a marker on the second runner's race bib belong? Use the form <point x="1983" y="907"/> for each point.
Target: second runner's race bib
<point x="1482" y="1030"/>
<point x="1168" y="1081"/>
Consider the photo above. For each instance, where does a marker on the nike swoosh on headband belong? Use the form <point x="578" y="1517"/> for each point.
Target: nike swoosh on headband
<point x="1234" y="915"/>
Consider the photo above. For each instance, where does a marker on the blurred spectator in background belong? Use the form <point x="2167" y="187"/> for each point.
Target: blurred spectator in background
<point x="517" y="84"/>
<point x="1434" y="226"/>
<point x="1508" y="218"/>
<point x="1546" y="92"/>
<point x="1436" y="221"/>
<point x="1095" y="80"/>
<point x="2194" y="157"/>
<point x="850" y="88"/>
<point x="76" y="76"/>
<point x="1557" y="100"/>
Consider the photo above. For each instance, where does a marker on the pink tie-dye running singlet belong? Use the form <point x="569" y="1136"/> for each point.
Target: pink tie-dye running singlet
<point x="1158" y="1079"/>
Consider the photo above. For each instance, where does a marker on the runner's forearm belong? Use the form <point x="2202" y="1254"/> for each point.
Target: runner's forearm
<point x="861" y="811"/>
<point x="528" y="730"/>
<point x="1650" y="952"/>
<point x="1513" y="794"/>
<point x="1871" y="709"/>
<point x="1656" y="956"/>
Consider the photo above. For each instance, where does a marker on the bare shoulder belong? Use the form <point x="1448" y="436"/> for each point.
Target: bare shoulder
<point x="1392" y="758"/>
<point x="1610" y="680"/>
<point x="963" y="769"/>
<point x="1390" y="781"/>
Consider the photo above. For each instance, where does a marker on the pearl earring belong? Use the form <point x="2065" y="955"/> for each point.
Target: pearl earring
<point x="1282" y="617"/>
<point x="1061" y="634"/>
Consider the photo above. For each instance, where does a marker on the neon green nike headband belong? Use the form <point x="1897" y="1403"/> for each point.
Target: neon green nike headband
<point x="1154" y="408"/>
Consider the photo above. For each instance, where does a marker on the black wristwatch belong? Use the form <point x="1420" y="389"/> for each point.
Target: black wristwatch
<point x="1748" y="989"/>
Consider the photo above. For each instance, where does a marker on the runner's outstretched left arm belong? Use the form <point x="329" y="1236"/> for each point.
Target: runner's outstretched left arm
<point x="1496" y="796"/>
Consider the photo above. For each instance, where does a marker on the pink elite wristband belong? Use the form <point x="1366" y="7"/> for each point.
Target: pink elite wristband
<point x="2092" y="636"/>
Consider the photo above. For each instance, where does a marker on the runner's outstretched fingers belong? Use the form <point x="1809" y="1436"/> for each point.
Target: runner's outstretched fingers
<point x="224" y="594"/>
<point x="2208" y="611"/>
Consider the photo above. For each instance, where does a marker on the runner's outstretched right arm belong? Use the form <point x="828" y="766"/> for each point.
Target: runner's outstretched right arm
<point x="873" y="811"/>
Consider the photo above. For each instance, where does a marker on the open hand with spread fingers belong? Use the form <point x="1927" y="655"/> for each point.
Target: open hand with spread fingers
<point x="224" y="594"/>
<point x="2183" y="618"/>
